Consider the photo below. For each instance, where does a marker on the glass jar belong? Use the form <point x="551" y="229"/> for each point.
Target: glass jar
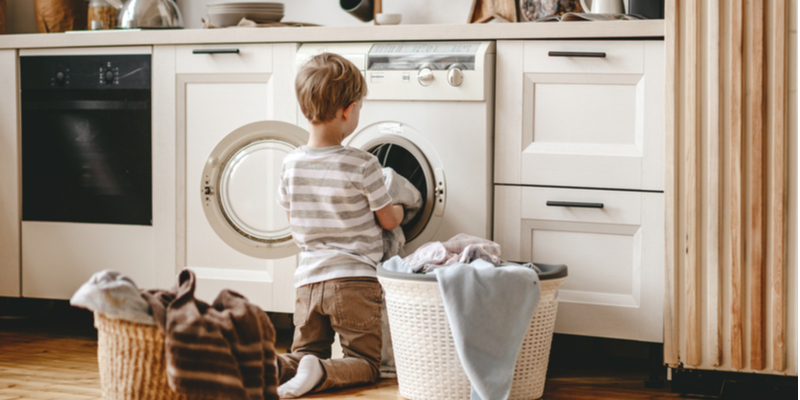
<point x="101" y="15"/>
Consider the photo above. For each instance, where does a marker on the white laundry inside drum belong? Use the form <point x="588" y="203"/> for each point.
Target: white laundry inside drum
<point x="409" y="162"/>
<point x="248" y="189"/>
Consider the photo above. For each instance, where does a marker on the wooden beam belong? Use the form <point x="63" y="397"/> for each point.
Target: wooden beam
<point x="778" y="167"/>
<point x="692" y="179"/>
<point x="735" y="184"/>
<point x="756" y="238"/>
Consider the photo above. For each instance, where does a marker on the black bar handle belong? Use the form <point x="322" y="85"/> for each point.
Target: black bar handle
<point x="86" y="105"/>
<point x="576" y="54"/>
<point x="215" y="51"/>
<point x="577" y="204"/>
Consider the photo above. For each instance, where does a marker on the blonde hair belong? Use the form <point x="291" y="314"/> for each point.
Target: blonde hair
<point x="327" y="83"/>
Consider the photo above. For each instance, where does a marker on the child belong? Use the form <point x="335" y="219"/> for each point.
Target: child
<point x="333" y="195"/>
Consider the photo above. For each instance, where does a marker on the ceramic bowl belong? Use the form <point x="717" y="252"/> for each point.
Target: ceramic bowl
<point x="388" y="19"/>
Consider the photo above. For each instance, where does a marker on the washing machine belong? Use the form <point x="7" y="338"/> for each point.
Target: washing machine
<point x="428" y="115"/>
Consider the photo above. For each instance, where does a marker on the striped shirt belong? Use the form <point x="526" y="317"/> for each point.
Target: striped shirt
<point x="331" y="194"/>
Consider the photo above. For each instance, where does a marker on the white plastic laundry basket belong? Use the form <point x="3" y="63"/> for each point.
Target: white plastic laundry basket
<point x="425" y="354"/>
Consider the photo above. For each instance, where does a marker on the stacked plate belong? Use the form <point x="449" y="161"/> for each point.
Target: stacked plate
<point x="229" y="14"/>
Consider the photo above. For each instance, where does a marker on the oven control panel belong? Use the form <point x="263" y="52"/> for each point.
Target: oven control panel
<point x="85" y="72"/>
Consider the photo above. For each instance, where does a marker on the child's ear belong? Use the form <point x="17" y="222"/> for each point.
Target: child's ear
<point x="347" y="110"/>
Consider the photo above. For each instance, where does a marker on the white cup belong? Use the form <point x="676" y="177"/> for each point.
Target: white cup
<point x="604" y="6"/>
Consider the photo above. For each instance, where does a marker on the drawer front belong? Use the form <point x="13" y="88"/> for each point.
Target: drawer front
<point x="580" y="125"/>
<point x="251" y="58"/>
<point x="614" y="254"/>
<point x="618" y="57"/>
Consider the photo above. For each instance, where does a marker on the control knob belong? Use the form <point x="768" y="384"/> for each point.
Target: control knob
<point x="109" y="75"/>
<point x="425" y="75"/>
<point x="455" y="75"/>
<point x="60" y="77"/>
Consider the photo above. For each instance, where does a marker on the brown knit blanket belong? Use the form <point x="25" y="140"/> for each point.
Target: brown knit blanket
<point x="224" y="351"/>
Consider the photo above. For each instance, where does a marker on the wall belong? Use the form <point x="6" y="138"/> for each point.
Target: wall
<point x="324" y="12"/>
<point x="329" y="13"/>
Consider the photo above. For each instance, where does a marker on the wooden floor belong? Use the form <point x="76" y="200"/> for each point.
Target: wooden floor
<point x="58" y="360"/>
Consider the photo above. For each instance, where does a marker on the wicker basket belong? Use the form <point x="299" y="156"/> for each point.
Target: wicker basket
<point x="132" y="362"/>
<point x="424" y="351"/>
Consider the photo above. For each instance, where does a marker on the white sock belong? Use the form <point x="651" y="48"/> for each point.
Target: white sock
<point x="309" y="374"/>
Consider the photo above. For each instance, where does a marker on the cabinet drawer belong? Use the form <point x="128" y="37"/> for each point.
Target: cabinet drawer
<point x="577" y="124"/>
<point x="618" y="57"/>
<point x="615" y="255"/>
<point x="250" y="58"/>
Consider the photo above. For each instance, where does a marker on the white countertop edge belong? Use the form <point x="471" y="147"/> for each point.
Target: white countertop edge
<point x="496" y="31"/>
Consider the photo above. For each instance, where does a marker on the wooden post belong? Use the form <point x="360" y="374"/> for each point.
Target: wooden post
<point x="756" y="232"/>
<point x="671" y="294"/>
<point x="692" y="178"/>
<point x="737" y="334"/>
<point x="778" y="172"/>
<point x="714" y="187"/>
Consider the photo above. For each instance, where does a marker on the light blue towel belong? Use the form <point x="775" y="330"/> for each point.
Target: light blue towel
<point x="396" y="264"/>
<point x="489" y="310"/>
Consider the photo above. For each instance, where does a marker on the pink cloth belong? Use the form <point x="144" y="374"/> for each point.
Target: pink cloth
<point x="461" y="248"/>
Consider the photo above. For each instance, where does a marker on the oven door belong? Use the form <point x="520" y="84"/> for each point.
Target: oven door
<point x="86" y="156"/>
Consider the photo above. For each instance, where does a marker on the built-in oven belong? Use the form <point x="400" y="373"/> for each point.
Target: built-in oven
<point x="86" y="139"/>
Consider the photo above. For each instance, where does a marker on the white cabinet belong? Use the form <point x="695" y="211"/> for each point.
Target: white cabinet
<point x="591" y="120"/>
<point x="615" y="254"/>
<point x="579" y="144"/>
<point x="210" y="92"/>
<point x="10" y="196"/>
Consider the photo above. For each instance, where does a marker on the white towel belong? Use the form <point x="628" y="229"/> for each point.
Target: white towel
<point x="115" y="295"/>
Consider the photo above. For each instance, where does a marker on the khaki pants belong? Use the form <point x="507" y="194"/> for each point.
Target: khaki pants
<point x="350" y="307"/>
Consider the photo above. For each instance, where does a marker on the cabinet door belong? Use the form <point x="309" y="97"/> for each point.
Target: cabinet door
<point x="580" y="114"/>
<point x="10" y="207"/>
<point x="615" y="255"/>
<point x="213" y="97"/>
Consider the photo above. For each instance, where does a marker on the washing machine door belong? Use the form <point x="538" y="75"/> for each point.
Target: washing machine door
<point x="239" y="188"/>
<point x="405" y="150"/>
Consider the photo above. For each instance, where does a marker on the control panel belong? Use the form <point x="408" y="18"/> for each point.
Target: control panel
<point x="435" y="71"/>
<point x="85" y="72"/>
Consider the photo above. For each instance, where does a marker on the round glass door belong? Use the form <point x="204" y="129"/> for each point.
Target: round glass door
<point x="239" y="188"/>
<point x="409" y="162"/>
<point x="248" y="186"/>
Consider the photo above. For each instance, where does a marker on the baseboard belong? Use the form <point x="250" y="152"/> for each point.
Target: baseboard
<point x="725" y="385"/>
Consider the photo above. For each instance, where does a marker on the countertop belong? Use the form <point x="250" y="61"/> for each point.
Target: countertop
<point x="496" y="31"/>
